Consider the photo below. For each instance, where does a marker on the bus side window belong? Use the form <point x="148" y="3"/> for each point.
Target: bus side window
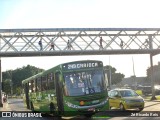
<point x="106" y="80"/>
<point x="44" y="83"/>
<point x="51" y="84"/>
<point x="39" y="84"/>
<point x="31" y="86"/>
<point x="35" y="85"/>
<point x="23" y="88"/>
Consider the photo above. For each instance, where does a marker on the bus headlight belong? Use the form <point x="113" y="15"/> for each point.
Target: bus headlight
<point x="141" y="100"/>
<point x="104" y="102"/>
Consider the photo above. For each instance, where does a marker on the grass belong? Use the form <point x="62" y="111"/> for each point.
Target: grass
<point x="149" y="97"/>
<point x="139" y="92"/>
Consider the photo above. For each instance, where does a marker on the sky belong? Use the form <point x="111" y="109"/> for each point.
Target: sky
<point x="81" y="14"/>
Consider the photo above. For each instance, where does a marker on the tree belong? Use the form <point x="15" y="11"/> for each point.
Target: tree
<point x="18" y="90"/>
<point x="115" y="77"/>
<point x="6" y="86"/>
<point x="16" y="77"/>
<point x="156" y="73"/>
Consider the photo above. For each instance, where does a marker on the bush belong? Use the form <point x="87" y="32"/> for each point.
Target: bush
<point x="139" y="92"/>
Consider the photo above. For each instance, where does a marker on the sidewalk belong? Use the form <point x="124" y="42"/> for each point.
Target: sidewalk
<point x="152" y="105"/>
<point x="5" y="107"/>
<point x="151" y="100"/>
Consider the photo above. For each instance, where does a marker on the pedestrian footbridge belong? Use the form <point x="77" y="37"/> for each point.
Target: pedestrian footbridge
<point x="82" y="41"/>
<point x="79" y="41"/>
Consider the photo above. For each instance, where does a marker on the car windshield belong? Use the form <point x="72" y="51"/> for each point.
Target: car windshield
<point x="128" y="93"/>
<point x="86" y="82"/>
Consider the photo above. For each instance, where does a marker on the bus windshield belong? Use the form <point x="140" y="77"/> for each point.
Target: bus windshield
<point x="84" y="82"/>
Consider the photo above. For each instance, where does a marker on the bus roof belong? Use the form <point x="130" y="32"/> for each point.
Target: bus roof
<point x="32" y="77"/>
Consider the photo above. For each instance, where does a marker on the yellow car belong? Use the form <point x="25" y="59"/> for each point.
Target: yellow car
<point x="125" y="99"/>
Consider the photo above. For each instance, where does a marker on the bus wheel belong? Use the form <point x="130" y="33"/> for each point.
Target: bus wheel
<point x="32" y="107"/>
<point x="52" y="108"/>
<point x="88" y="115"/>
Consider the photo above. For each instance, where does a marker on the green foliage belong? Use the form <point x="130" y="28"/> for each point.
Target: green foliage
<point x="115" y="77"/>
<point x="18" y="90"/>
<point x="17" y="76"/>
<point x="156" y="73"/>
<point x="6" y="86"/>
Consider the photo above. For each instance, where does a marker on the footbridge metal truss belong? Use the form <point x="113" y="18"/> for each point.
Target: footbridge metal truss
<point x="83" y="41"/>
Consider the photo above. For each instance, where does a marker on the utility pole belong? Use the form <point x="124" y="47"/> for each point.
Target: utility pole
<point x="134" y="75"/>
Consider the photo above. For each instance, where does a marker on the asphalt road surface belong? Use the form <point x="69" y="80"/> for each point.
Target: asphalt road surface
<point x="150" y="112"/>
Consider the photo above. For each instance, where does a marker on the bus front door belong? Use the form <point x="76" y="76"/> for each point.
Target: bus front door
<point x="59" y="94"/>
<point x="27" y="95"/>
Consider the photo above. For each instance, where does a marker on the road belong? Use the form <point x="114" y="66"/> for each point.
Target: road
<point x="17" y="105"/>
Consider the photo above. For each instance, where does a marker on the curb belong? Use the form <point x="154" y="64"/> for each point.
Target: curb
<point x="152" y="100"/>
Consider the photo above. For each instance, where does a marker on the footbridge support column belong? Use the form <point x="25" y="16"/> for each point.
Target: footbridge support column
<point x="152" y="71"/>
<point x="1" y="105"/>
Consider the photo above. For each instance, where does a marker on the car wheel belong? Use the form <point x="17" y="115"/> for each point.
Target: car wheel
<point x="140" y="109"/>
<point x="122" y="107"/>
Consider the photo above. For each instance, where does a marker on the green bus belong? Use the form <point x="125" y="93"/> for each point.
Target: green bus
<point x="74" y="88"/>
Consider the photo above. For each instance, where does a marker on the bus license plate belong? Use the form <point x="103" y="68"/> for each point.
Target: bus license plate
<point x="91" y="109"/>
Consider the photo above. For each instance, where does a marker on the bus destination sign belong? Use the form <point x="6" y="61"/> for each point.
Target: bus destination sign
<point x="81" y="65"/>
